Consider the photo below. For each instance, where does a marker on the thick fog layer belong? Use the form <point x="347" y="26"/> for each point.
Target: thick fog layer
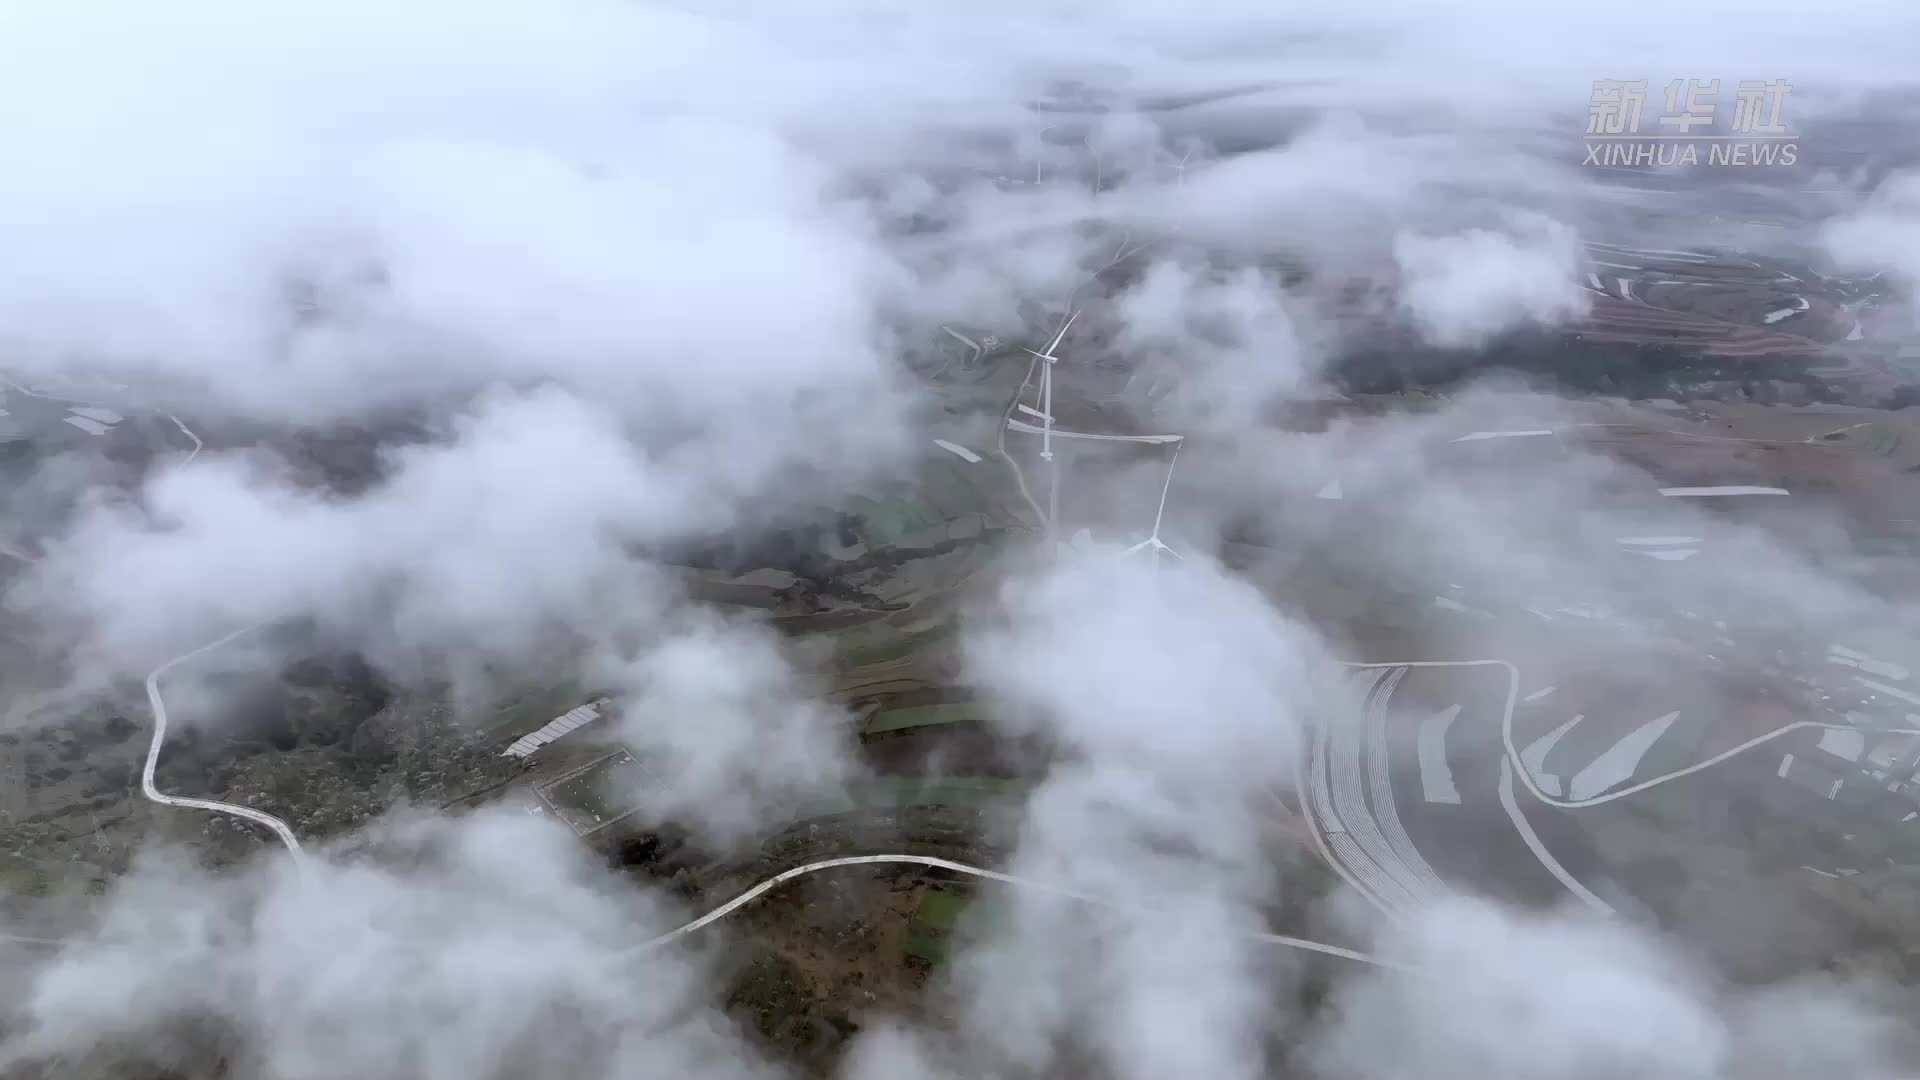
<point x="608" y="279"/>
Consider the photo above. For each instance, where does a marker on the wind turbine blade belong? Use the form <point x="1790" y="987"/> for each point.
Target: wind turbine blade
<point x="1148" y="542"/>
<point x="1071" y="315"/>
<point x="1177" y="556"/>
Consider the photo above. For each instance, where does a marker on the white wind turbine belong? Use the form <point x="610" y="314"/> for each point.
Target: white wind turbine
<point x="1153" y="542"/>
<point x="1048" y="432"/>
<point x="1046" y="419"/>
<point x="1040" y="155"/>
<point x="1045" y="412"/>
<point x="1180" y="169"/>
<point x="1179" y="185"/>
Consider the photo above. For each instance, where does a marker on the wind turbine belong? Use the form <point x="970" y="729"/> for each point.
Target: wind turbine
<point x="1046" y="419"/>
<point x="1039" y="157"/>
<point x="1153" y="542"/>
<point x="1180" y="168"/>
<point x="1046" y="387"/>
<point x="1179" y="185"/>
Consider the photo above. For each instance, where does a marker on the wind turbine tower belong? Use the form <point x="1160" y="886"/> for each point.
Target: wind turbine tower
<point x="1046" y="418"/>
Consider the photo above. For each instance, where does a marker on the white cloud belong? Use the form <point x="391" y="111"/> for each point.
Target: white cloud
<point x="1462" y="289"/>
<point x="1884" y="234"/>
<point x="480" y="948"/>
<point x="1175" y="700"/>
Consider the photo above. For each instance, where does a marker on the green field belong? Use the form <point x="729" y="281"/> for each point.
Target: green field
<point x="531" y="708"/>
<point x="899" y="793"/>
<point x="949" y="493"/>
<point x="886" y="522"/>
<point x="1880" y="440"/>
<point x="21" y="878"/>
<point x="932" y="925"/>
<point x="881" y="643"/>
<point x="917" y="716"/>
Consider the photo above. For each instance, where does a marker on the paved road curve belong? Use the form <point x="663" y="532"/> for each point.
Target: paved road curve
<point x="777" y="880"/>
<point x="147" y="787"/>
